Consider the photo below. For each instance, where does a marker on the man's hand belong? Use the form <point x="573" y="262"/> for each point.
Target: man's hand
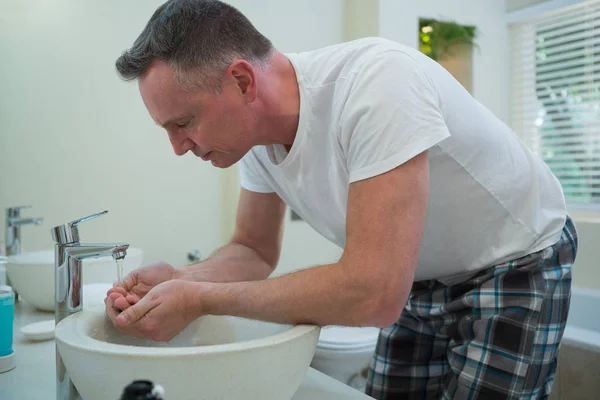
<point x="162" y="313"/>
<point x="138" y="283"/>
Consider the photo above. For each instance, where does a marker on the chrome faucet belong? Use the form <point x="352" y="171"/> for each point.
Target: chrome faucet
<point x="14" y="222"/>
<point x="68" y="255"/>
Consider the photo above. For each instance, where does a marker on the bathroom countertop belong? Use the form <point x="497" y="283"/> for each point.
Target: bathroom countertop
<point x="34" y="377"/>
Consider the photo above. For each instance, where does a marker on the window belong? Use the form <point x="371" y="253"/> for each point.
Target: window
<point x="555" y="95"/>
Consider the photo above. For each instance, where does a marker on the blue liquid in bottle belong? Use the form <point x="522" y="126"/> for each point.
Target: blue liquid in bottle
<point x="7" y="317"/>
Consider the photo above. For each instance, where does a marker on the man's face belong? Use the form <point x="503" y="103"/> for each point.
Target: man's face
<point x="214" y="127"/>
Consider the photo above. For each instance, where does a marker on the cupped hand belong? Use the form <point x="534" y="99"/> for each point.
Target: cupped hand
<point x="138" y="283"/>
<point x="162" y="313"/>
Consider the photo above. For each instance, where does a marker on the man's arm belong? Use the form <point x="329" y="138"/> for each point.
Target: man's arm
<point x="370" y="284"/>
<point x="253" y="252"/>
<point x="367" y="287"/>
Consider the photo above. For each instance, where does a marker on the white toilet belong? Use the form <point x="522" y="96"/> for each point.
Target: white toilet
<point x="344" y="353"/>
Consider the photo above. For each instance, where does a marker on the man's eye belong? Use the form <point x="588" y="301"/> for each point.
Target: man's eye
<point x="183" y="125"/>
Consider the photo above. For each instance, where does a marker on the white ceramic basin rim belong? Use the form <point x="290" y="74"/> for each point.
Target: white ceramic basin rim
<point x="214" y="358"/>
<point x="82" y="331"/>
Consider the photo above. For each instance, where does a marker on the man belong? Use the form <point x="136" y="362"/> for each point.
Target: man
<point x="456" y="239"/>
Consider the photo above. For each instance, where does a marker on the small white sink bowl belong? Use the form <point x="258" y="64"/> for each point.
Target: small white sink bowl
<point x="32" y="274"/>
<point x="214" y="358"/>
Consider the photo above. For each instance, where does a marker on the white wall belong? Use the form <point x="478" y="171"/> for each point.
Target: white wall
<point x="361" y="19"/>
<point x="75" y="140"/>
<point x="399" y="20"/>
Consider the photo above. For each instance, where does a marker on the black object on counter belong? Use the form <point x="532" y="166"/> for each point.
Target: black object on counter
<point x="140" y="390"/>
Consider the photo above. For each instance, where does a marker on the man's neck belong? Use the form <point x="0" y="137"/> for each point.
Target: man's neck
<point x="282" y="102"/>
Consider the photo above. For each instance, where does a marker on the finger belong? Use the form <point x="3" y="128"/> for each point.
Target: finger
<point x="129" y="281"/>
<point x="112" y="314"/>
<point x="113" y="296"/>
<point x="121" y="303"/>
<point x="117" y="289"/>
<point x="111" y="311"/>
<point x="136" y="311"/>
<point x="132" y="298"/>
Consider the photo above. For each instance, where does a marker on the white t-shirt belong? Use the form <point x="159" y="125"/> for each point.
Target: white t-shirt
<point x="368" y="106"/>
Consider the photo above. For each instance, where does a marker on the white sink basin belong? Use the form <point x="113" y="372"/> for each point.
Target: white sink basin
<point x="32" y="274"/>
<point x="214" y="358"/>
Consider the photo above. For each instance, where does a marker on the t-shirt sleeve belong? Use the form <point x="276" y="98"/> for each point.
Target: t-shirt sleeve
<point x="250" y="177"/>
<point x="391" y="114"/>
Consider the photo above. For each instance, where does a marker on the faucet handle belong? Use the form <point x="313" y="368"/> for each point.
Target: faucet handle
<point x="80" y="220"/>
<point x="69" y="233"/>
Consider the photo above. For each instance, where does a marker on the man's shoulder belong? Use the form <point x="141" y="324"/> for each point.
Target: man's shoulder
<point x="342" y="60"/>
<point x="366" y="44"/>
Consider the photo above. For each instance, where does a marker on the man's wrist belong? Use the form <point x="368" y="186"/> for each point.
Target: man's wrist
<point x="203" y="298"/>
<point x="181" y="274"/>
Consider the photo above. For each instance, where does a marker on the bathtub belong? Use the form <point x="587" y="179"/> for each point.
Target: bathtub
<point x="583" y="324"/>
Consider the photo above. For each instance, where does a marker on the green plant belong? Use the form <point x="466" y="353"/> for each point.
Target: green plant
<point x="436" y="38"/>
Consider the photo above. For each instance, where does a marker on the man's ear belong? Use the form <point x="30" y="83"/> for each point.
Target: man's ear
<point x="243" y="76"/>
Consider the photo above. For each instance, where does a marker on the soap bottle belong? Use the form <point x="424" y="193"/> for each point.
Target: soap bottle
<point x="7" y="318"/>
<point x="142" y="390"/>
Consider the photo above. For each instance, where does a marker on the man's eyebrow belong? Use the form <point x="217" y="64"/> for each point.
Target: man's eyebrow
<point x="174" y="119"/>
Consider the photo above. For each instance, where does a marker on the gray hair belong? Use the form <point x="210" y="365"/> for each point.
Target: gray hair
<point x="199" y="39"/>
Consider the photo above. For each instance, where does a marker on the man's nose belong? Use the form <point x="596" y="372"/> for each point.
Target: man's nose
<point x="181" y="146"/>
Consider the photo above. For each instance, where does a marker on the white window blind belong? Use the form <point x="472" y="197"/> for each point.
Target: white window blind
<point x="555" y="95"/>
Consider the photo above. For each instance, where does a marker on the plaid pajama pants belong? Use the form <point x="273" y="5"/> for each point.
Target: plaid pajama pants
<point x="494" y="336"/>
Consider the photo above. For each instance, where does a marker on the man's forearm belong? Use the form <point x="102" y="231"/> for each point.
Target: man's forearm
<point x="323" y="295"/>
<point x="233" y="262"/>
